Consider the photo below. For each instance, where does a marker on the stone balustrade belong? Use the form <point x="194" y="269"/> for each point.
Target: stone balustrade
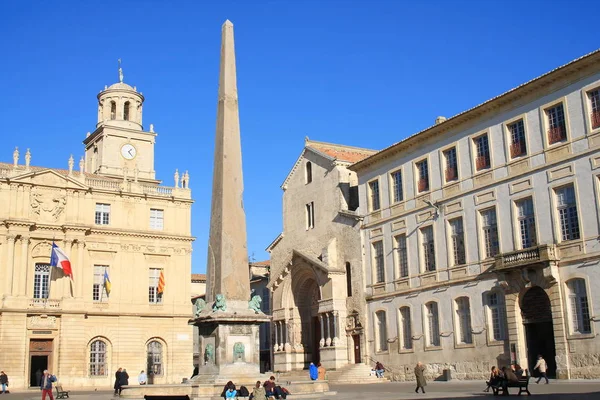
<point x="541" y="254"/>
<point x="44" y="303"/>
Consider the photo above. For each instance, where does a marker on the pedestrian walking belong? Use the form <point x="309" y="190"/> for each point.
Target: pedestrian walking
<point x="117" y="379"/>
<point x="542" y="367"/>
<point x="46" y="385"/>
<point x="123" y="380"/>
<point x="4" y="382"/>
<point x="420" y="375"/>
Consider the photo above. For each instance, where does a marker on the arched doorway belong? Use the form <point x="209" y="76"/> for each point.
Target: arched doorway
<point x="306" y="299"/>
<point x="536" y="312"/>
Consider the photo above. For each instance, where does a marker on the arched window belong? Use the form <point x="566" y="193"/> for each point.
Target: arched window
<point x="433" y="324"/>
<point x="579" y="307"/>
<point x="308" y="172"/>
<point x="113" y="110"/>
<point x="405" y="329"/>
<point x="348" y="279"/>
<point x="497" y="315"/>
<point x="98" y="358"/>
<point x="463" y="319"/>
<point x="155" y="365"/>
<point x="380" y="320"/>
<point x="126" y="111"/>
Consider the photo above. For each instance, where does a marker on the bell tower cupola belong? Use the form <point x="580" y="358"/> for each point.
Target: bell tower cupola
<point x="119" y="147"/>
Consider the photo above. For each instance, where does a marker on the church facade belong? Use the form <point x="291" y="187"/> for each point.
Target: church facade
<point x="316" y="276"/>
<point x="480" y="235"/>
<point x="117" y="224"/>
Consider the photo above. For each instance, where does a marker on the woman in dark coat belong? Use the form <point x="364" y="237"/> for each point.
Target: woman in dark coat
<point x="117" y="379"/>
<point x="123" y="380"/>
<point x="420" y="375"/>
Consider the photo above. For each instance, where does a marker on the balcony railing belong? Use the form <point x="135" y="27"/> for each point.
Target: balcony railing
<point x="157" y="190"/>
<point x="534" y="255"/>
<point x="103" y="183"/>
<point x="482" y="162"/>
<point x="557" y="134"/>
<point x="517" y="149"/>
<point x="595" y="119"/>
<point x="44" y="303"/>
<point x="451" y="174"/>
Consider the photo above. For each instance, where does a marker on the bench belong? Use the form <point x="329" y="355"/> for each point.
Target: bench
<point x="61" y="393"/>
<point x="523" y="386"/>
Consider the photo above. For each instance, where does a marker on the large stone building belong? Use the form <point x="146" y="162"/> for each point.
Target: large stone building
<point x="480" y="234"/>
<point x="110" y="216"/>
<point x="316" y="276"/>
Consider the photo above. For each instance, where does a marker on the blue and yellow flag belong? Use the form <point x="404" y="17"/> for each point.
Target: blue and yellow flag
<point x="106" y="283"/>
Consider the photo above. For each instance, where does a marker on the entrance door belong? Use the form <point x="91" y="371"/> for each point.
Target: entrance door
<point x="539" y="330"/>
<point x="357" y="355"/>
<point x="40" y="353"/>
<point x="316" y="355"/>
<point x="37" y="366"/>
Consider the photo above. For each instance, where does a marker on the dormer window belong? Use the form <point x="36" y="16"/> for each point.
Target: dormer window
<point x="113" y="110"/>
<point x="308" y="172"/>
<point x="126" y="111"/>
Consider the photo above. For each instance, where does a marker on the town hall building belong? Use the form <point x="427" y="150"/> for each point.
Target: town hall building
<point x="115" y="221"/>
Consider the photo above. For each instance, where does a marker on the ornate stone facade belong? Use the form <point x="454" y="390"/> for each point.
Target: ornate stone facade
<point x="105" y="220"/>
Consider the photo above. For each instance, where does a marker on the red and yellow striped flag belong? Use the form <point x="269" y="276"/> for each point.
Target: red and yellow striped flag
<point x="161" y="282"/>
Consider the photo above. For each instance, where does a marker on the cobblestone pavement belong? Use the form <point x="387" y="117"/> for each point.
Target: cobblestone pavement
<point x="563" y="390"/>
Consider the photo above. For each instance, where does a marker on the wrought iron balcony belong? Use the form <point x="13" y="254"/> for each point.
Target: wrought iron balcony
<point x="531" y="256"/>
<point x="44" y="303"/>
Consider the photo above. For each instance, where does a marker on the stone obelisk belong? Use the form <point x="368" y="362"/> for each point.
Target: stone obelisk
<point x="228" y="323"/>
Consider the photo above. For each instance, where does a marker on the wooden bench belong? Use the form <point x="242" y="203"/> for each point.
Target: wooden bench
<point x="61" y="393"/>
<point x="523" y="386"/>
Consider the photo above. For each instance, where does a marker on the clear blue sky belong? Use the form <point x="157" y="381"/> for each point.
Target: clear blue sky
<point x="363" y="73"/>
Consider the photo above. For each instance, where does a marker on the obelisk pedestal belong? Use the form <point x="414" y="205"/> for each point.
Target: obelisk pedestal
<point x="228" y="327"/>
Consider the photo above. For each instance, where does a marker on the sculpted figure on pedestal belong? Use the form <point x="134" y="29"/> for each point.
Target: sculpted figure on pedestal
<point x="200" y="304"/>
<point x="220" y="303"/>
<point x="254" y="303"/>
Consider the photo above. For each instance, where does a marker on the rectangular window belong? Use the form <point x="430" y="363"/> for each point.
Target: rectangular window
<point x="102" y="214"/>
<point x="401" y="255"/>
<point x="428" y="248"/>
<point x="397" y="183"/>
<point x="482" y="152"/>
<point x="382" y="343"/>
<point x="156" y="219"/>
<point x="40" y="281"/>
<point x="406" y="342"/>
<point x="567" y="213"/>
<point x="557" y="129"/>
<point x="580" y="310"/>
<point x="378" y="261"/>
<point x="423" y="176"/>
<point x="518" y="147"/>
<point x="463" y="312"/>
<point x="594" y="96"/>
<point x="526" y="218"/>
<point x="99" y="290"/>
<point x="153" y="296"/>
<point x="374" y="191"/>
<point x="458" y="241"/>
<point x="497" y="315"/>
<point x="433" y="324"/>
<point x="310" y="215"/>
<point x="490" y="232"/>
<point x="451" y="172"/>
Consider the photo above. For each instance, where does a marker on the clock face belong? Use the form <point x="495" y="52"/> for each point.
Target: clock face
<point x="128" y="151"/>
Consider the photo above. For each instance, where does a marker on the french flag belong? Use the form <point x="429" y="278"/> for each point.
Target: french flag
<point x="60" y="260"/>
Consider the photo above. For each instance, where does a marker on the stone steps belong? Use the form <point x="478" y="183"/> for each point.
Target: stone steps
<point x="354" y="373"/>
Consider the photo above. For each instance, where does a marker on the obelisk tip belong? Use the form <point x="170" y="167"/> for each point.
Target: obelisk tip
<point x="227" y="23"/>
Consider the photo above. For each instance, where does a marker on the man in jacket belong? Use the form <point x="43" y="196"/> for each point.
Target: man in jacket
<point x="4" y="382"/>
<point x="46" y="385"/>
<point x="542" y="367"/>
<point x="117" y="379"/>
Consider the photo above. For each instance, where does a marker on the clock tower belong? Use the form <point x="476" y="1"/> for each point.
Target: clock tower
<point x="119" y="146"/>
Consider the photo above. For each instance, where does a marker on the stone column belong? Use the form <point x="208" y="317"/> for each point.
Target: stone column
<point x="78" y="276"/>
<point x="276" y="341"/>
<point x="322" y="341"/>
<point x="335" y="329"/>
<point x="20" y="279"/>
<point x="10" y="258"/>
<point x="328" y="325"/>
